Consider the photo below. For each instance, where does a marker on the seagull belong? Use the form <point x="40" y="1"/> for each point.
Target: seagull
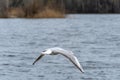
<point x="66" y="53"/>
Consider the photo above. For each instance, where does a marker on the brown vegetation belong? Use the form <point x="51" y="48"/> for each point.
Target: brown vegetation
<point x="35" y="10"/>
<point x="15" y="13"/>
<point x="49" y="13"/>
<point x="55" y="8"/>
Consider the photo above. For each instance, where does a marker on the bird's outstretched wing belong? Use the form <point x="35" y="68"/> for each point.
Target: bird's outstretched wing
<point x="73" y="59"/>
<point x="41" y="55"/>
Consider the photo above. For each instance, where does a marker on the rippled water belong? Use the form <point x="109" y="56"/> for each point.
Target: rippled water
<point x="95" y="40"/>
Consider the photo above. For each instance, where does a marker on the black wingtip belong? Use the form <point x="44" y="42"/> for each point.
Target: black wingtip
<point x="33" y="63"/>
<point x="83" y="72"/>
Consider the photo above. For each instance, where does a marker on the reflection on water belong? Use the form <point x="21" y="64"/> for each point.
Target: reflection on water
<point x="95" y="40"/>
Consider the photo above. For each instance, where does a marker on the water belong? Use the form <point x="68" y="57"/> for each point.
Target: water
<point x="95" y="40"/>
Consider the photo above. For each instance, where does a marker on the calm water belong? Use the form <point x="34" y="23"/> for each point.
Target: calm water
<point x="95" y="40"/>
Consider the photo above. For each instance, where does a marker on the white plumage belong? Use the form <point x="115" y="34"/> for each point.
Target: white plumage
<point x="66" y="53"/>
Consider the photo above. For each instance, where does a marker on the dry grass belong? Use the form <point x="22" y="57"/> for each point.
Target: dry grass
<point x="15" y="13"/>
<point x="35" y="10"/>
<point x="49" y="13"/>
<point x="44" y="13"/>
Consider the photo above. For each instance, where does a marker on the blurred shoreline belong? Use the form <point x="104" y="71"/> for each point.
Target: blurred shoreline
<point x="45" y="13"/>
<point x="56" y="8"/>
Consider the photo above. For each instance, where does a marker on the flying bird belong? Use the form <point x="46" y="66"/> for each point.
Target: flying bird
<point x="66" y="53"/>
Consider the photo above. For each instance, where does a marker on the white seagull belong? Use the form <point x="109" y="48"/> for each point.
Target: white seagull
<point x="67" y="54"/>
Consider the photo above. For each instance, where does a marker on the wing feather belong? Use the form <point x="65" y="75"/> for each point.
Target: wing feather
<point x="73" y="59"/>
<point x="38" y="58"/>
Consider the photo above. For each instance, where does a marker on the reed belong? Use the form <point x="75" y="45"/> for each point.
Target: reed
<point x="49" y="13"/>
<point x="35" y="10"/>
<point x="15" y="13"/>
<point x="50" y="10"/>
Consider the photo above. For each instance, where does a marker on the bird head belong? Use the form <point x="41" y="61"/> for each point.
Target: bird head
<point x="48" y="51"/>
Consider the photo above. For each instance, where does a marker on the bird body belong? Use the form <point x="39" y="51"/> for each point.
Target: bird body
<point x="66" y="53"/>
<point x="58" y="50"/>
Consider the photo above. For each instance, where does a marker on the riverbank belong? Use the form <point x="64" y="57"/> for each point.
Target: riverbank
<point x="21" y="13"/>
<point x="56" y="8"/>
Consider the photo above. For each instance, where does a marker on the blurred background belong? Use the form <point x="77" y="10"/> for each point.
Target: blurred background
<point x="55" y="8"/>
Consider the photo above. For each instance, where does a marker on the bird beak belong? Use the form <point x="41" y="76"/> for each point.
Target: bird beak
<point x="38" y="58"/>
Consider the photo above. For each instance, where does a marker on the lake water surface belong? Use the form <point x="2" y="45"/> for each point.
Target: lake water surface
<point x="95" y="40"/>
